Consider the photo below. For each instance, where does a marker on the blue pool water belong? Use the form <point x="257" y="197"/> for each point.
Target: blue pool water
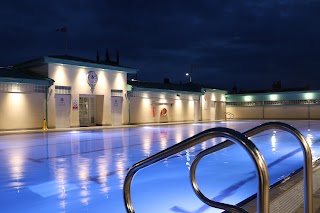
<point x="83" y="171"/>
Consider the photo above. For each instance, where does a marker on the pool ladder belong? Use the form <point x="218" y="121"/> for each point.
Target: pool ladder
<point x="233" y="136"/>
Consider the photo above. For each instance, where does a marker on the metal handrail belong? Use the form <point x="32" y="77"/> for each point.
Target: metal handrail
<point x="266" y="126"/>
<point x="230" y="134"/>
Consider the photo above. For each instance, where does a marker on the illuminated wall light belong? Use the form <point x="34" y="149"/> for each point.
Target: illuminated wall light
<point x="60" y="75"/>
<point x="145" y="95"/>
<point x="213" y="97"/>
<point x="146" y="102"/>
<point x="248" y="98"/>
<point x="119" y="80"/>
<point x="16" y="98"/>
<point x="273" y="97"/>
<point x="308" y="96"/>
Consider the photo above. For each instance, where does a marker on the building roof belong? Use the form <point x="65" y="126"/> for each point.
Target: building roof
<point x="188" y="87"/>
<point x="11" y="75"/>
<point x="76" y="61"/>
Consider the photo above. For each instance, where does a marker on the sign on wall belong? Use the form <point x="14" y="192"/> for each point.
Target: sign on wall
<point x="75" y="104"/>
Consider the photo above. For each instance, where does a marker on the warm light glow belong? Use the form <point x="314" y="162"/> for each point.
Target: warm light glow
<point x="146" y="102"/>
<point x="178" y="136"/>
<point x="178" y="104"/>
<point x="60" y="76"/>
<point x="162" y="95"/>
<point x="16" y="98"/>
<point x="119" y="81"/>
<point x="16" y="162"/>
<point x="163" y="139"/>
<point x="146" y="144"/>
<point x="83" y="175"/>
<point x="103" y="165"/>
<point x="145" y="95"/>
<point x="213" y="97"/>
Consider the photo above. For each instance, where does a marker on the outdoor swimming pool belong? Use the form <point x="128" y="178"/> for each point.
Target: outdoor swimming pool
<point x="83" y="171"/>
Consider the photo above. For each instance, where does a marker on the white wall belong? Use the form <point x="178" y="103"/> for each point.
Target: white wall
<point x="22" y="110"/>
<point x="178" y="109"/>
<point x="276" y="112"/>
<point x="213" y="106"/>
<point x="76" y="77"/>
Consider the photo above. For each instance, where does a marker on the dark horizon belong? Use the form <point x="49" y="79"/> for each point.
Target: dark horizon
<point x="250" y="44"/>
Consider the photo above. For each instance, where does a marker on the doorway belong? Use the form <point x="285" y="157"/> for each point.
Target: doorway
<point x="87" y="110"/>
<point x="116" y="110"/>
<point x="62" y="104"/>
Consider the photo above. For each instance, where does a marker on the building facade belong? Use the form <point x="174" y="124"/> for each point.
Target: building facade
<point x="158" y="103"/>
<point x="85" y="93"/>
<point x="22" y="99"/>
<point x="275" y="105"/>
<point x="66" y="91"/>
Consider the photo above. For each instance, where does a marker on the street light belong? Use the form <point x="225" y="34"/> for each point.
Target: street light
<point x="187" y="74"/>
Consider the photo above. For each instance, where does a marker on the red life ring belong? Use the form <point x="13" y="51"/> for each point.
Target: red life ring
<point x="164" y="112"/>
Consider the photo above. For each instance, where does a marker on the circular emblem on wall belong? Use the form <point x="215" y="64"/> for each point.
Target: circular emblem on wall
<point x="92" y="78"/>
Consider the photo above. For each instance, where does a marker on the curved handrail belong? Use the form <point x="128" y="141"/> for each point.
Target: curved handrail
<point x="231" y="134"/>
<point x="266" y="126"/>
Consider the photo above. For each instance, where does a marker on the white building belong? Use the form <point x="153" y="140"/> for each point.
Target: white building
<point x="85" y="92"/>
<point x="69" y="91"/>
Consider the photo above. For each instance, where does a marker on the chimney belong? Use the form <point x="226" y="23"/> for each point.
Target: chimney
<point x="118" y="57"/>
<point x="98" y="58"/>
<point x="107" y="55"/>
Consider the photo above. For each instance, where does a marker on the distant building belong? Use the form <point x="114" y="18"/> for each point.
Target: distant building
<point x="274" y="105"/>
<point x="180" y="102"/>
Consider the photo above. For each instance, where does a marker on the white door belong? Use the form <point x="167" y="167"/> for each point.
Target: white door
<point x="116" y="110"/>
<point x="196" y="113"/>
<point x="63" y="103"/>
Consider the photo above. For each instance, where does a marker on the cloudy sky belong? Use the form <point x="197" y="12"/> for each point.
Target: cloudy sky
<point x="222" y="42"/>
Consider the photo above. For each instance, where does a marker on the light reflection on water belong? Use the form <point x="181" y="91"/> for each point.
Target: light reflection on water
<point x="96" y="163"/>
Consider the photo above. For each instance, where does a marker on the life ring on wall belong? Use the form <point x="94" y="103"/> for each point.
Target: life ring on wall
<point x="164" y="112"/>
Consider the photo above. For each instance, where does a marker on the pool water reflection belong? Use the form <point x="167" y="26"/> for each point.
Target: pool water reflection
<point x="83" y="171"/>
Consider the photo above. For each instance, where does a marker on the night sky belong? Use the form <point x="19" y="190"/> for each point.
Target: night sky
<point x="247" y="43"/>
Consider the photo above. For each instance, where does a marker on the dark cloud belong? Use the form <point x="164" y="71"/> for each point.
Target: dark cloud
<point x="252" y="43"/>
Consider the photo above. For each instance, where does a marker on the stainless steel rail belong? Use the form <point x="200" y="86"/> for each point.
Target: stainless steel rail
<point x="230" y="134"/>
<point x="263" y="127"/>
